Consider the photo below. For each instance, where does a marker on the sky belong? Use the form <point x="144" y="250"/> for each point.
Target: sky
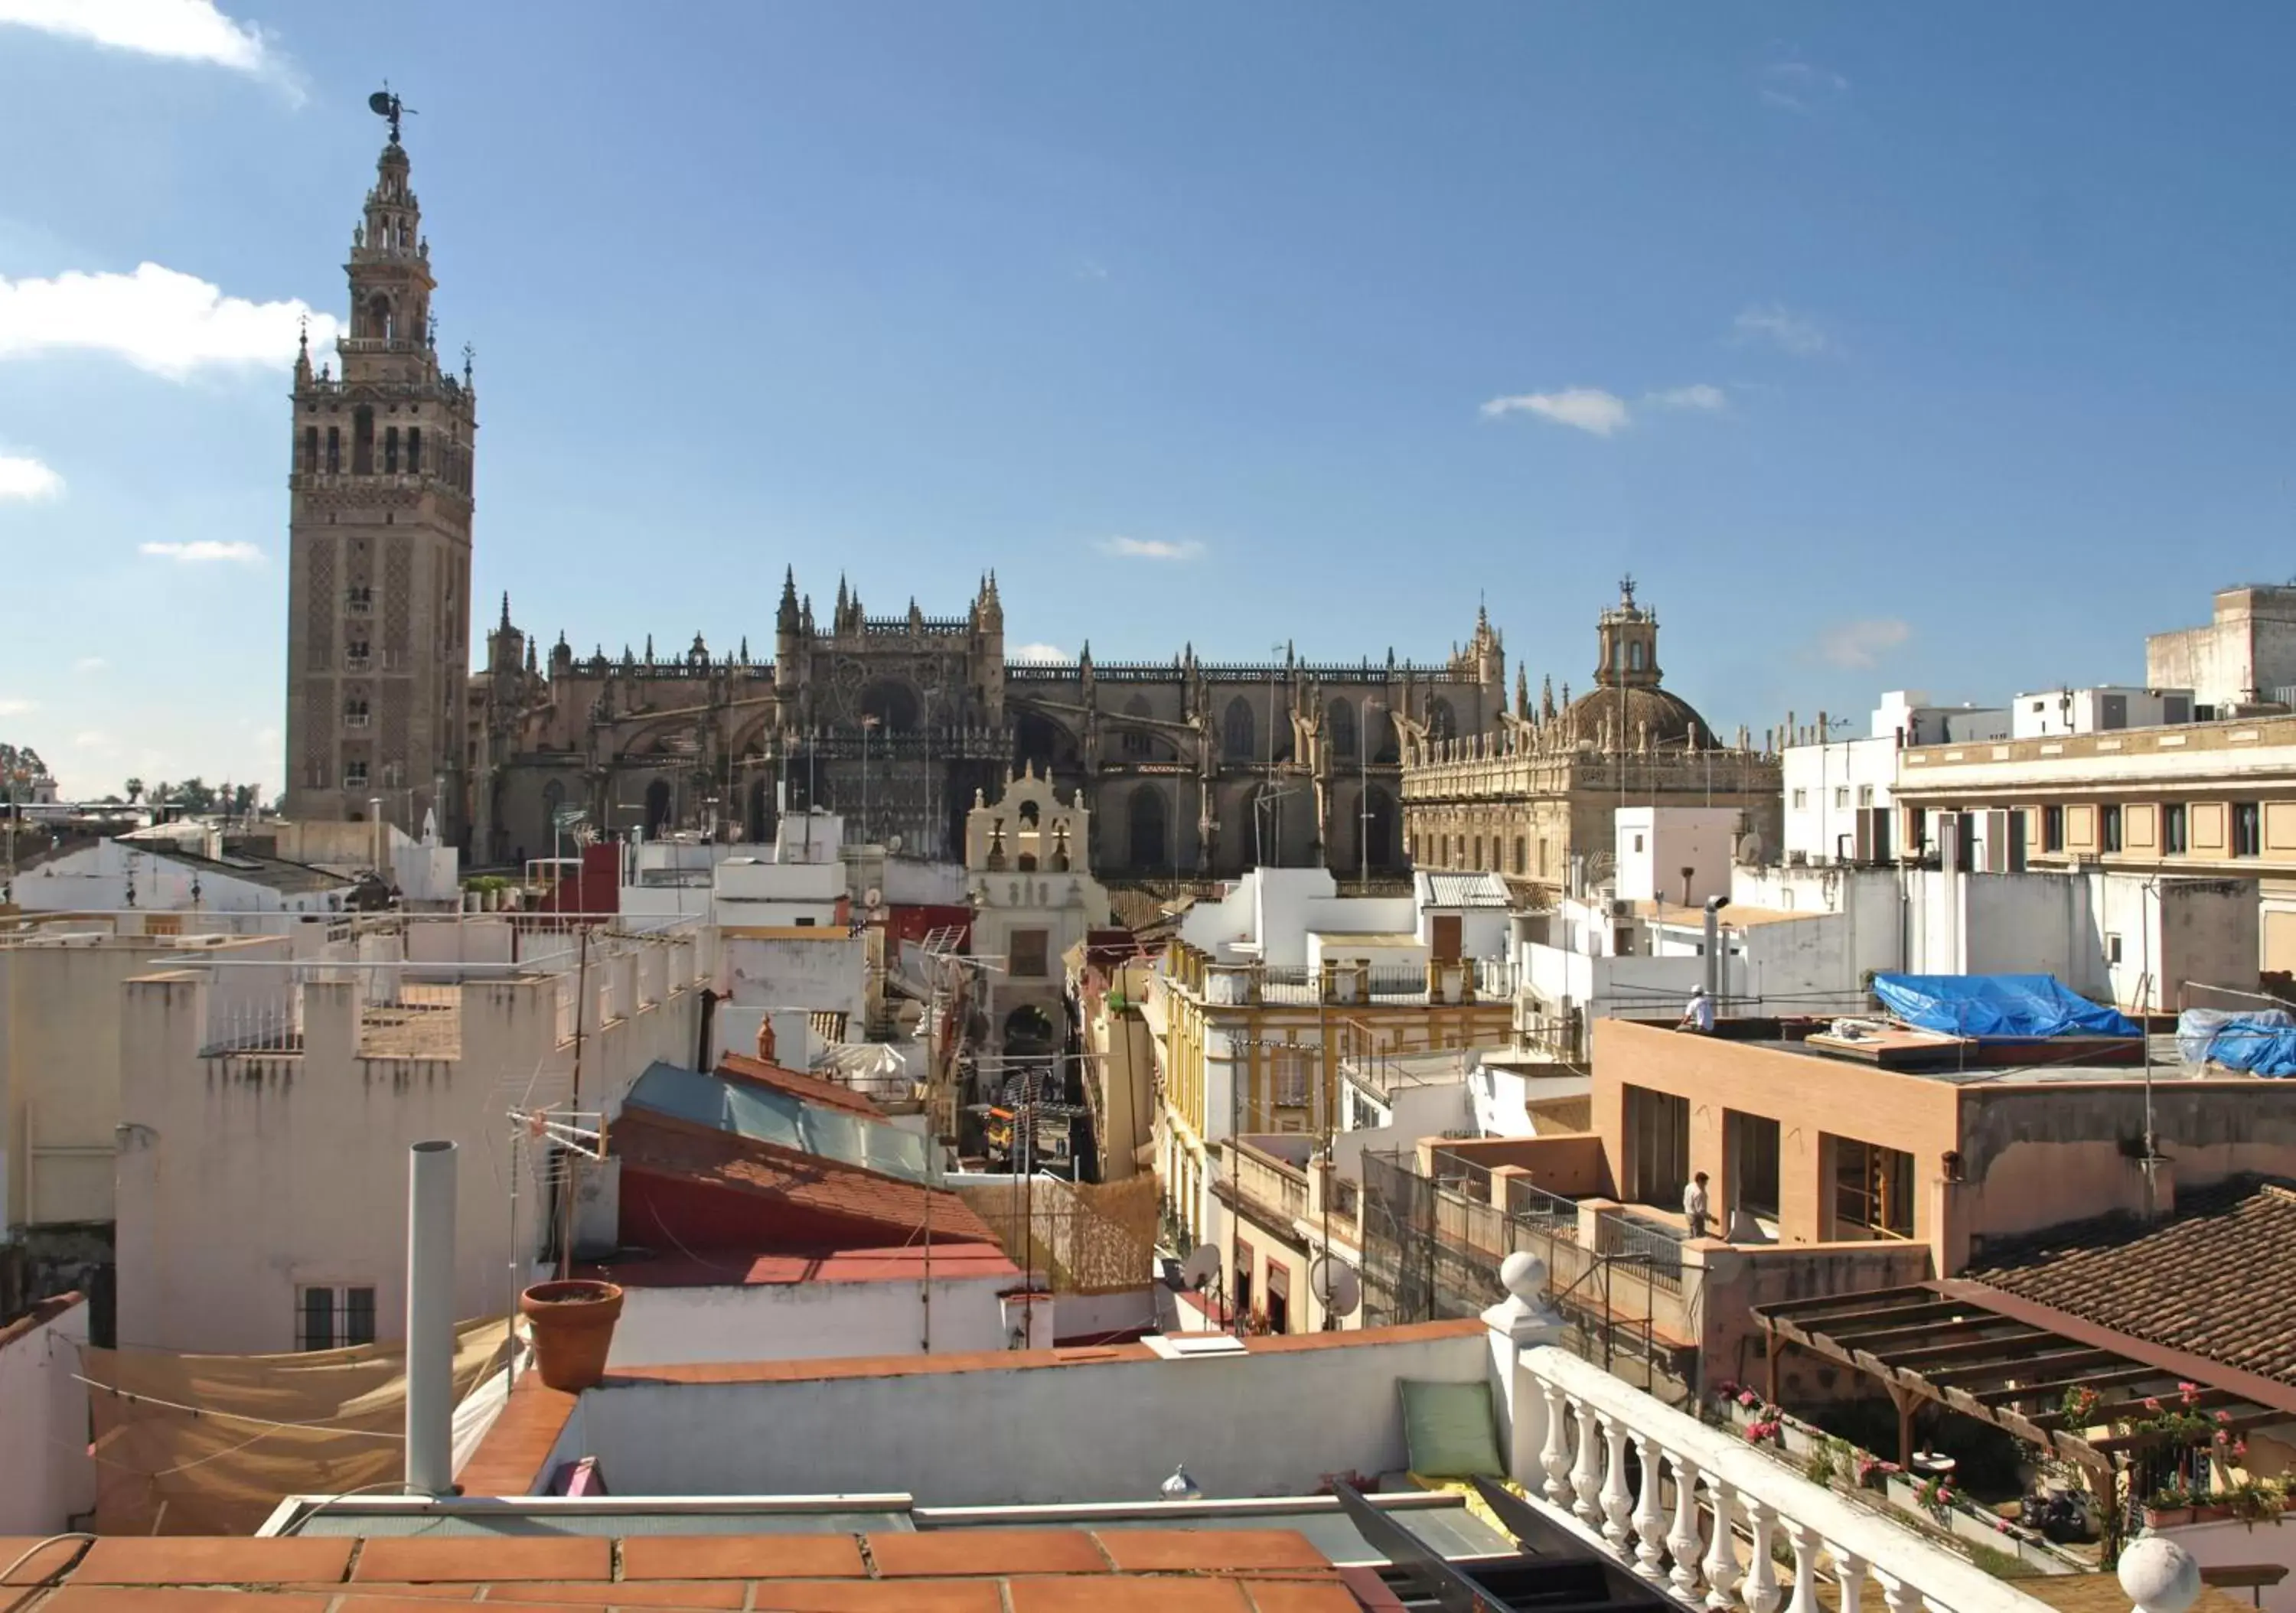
<point x="1941" y="345"/>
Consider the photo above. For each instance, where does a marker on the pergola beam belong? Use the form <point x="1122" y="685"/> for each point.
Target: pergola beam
<point x="1966" y="1347"/>
<point x="2054" y="1388"/>
<point x="1801" y="1310"/>
<point x="2072" y="1360"/>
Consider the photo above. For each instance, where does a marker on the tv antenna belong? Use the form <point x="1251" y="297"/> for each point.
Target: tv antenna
<point x="382" y="103"/>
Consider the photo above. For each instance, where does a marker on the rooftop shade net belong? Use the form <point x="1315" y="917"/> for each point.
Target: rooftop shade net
<point x="784" y="1121"/>
<point x="1997" y="1007"/>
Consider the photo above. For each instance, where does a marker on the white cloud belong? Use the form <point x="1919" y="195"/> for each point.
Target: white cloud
<point x="1796" y="333"/>
<point x="90" y="663"/>
<point x="1091" y="268"/>
<point x="1856" y="645"/>
<point x="16" y="708"/>
<point x="1040" y="652"/>
<point x="91" y="739"/>
<point x="28" y="480"/>
<point x="1793" y="85"/>
<point x="185" y="30"/>
<point x="1583" y="408"/>
<point x="1699" y="395"/>
<point x="158" y="319"/>
<point x="201" y="551"/>
<point x="1151" y="548"/>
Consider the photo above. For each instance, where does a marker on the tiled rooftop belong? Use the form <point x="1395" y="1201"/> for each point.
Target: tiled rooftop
<point x="2217" y="1280"/>
<point x="812" y="1089"/>
<point x="650" y="1142"/>
<point x="968" y="1571"/>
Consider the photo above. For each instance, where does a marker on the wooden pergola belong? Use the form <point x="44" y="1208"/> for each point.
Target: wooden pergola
<point x="2008" y="1361"/>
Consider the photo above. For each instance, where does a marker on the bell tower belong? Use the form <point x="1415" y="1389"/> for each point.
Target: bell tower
<point x="1628" y="634"/>
<point x="379" y="540"/>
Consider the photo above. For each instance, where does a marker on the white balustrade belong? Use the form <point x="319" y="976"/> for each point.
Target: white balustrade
<point x="1704" y="1514"/>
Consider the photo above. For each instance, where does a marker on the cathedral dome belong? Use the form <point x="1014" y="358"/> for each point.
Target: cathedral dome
<point x="1671" y="722"/>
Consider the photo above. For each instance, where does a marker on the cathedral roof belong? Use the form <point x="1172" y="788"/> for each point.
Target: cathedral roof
<point x="1672" y="723"/>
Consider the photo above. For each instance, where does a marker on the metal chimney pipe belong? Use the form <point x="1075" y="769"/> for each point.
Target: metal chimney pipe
<point x="1714" y="907"/>
<point x="430" y="1317"/>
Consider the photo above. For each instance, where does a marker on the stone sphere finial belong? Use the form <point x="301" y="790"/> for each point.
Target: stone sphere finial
<point x="2159" y="1575"/>
<point x="1524" y="1275"/>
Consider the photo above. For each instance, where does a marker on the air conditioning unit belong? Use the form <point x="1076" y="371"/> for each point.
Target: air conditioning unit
<point x="1622" y="908"/>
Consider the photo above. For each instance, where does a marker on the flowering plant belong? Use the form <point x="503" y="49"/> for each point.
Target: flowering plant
<point x="2079" y="1406"/>
<point x="1935" y="1496"/>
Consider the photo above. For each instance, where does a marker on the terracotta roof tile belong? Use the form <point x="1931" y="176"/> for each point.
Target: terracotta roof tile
<point x="812" y="1089"/>
<point x="124" y="1599"/>
<point x="165" y="1560"/>
<point x="743" y="1557"/>
<point x="1195" y="1550"/>
<point x="718" y="1596"/>
<point x="954" y="1553"/>
<point x="50" y="1559"/>
<point x="489" y="1558"/>
<point x="910" y="1596"/>
<point x="2217" y="1280"/>
<point x="1058" y="1593"/>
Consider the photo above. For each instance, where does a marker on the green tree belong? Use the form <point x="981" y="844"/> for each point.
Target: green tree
<point x="135" y="790"/>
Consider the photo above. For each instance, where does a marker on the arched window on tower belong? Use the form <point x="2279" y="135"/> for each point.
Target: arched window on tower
<point x="390" y="450"/>
<point x="334" y="448"/>
<point x="1339" y="722"/>
<point x="1235" y="729"/>
<point x="363" y="441"/>
<point x="1441" y="725"/>
<point x="378" y="317"/>
<point x="310" y="448"/>
<point x="414" y="450"/>
<point x="1634" y="655"/>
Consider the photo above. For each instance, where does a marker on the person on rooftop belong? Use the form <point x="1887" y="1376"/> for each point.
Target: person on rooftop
<point x="1699" y="1016"/>
<point x="1694" y="1209"/>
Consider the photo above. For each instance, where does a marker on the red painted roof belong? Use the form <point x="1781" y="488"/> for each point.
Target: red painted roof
<point x="797" y="1084"/>
<point x="703" y="1158"/>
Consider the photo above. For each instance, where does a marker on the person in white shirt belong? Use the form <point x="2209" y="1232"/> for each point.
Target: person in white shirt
<point x="1700" y="1015"/>
<point x="1693" y="1205"/>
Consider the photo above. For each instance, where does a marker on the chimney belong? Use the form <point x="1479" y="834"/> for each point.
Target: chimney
<point x="430" y="1317"/>
<point x="1714" y="907"/>
<point x="1686" y="875"/>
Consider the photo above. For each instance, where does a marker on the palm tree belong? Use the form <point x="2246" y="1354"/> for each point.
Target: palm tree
<point x="135" y="790"/>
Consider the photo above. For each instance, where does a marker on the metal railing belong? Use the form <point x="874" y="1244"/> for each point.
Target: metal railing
<point x="1658" y="1249"/>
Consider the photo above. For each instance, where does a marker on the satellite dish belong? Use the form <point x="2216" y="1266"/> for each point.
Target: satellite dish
<point x="1336" y="1286"/>
<point x="379" y="103"/>
<point x="873" y="898"/>
<point x="1200" y="1267"/>
<point x="893" y="843"/>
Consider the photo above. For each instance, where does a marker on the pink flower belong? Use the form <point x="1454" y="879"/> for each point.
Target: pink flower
<point x="2151" y="1403"/>
<point x="1749" y="1399"/>
<point x="2240" y="1447"/>
<point x="2224" y="1416"/>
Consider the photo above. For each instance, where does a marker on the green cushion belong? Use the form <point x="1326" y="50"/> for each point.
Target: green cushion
<point x="1447" y="1428"/>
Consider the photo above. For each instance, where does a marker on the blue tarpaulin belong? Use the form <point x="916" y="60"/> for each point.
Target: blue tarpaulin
<point x="2259" y="1042"/>
<point x="1997" y="1007"/>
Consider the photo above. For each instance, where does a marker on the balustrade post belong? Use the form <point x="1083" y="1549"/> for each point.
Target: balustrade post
<point x="1902" y="1597"/>
<point x="1805" y="1581"/>
<point x="1722" y="1545"/>
<point x="1617" y="1504"/>
<point x="1650" y="1510"/>
<point x="1586" y="1483"/>
<point x="1683" y="1542"/>
<point x="1762" y="1589"/>
<point x="1556" y="1458"/>
<point x="1850" y="1577"/>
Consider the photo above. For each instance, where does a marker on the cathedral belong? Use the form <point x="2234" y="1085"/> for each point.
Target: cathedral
<point x="1187" y="769"/>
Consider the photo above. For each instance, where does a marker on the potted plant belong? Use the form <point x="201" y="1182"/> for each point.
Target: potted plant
<point x="1935" y="1496"/>
<point x="2253" y="1500"/>
<point x="573" y="1327"/>
<point x="2169" y="1506"/>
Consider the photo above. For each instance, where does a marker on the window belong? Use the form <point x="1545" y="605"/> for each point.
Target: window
<point x="2111" y="948"/>
<point x="2053" y="829"/>
<point x="1658" y="1146"/>
<point x="334" y="448"/>
<point x="1027" y="951"/>
<point x="414" y="450"/>
<point x="1802" y="800"/>
<point x="1521" y="860"/>
<point x="390" y="450"/>
<point x="1236" y="731"/>
<point x="1292" y="1081"/>
<point x="332" y="1318"/>
<point x="354" y="775"/>
<point x="363" y="441"/>
<point x="1841" y="796"/>
<point x="2109" y="828"/>
<point x="1341" y="721"/>
<point x="354" y="654"/>
<point x="1751" y="1141"/>
<point x="1872" y="1190"/>
<point x="807" y="921"/>
<point x="1639" y="842"/>
<point x="1477" y="863"/>
<point x="359" y="599"/>
<point x="310" y="448"/>
<point x="1864" y="795"/>
<point x="2172" y="829"/>
<point x="355" y="712"/>
<point x="2247" y="836"/>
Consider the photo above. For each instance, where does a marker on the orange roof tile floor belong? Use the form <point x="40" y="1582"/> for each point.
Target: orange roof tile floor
<point x="960" y="1571"/>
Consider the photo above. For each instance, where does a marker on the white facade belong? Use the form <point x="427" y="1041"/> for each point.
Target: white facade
<point x="48" y="1479"/>
<point x="111" y="875"/>
<point x="1839" y="792"/>
<point x="811" y="1321"/>
<point x="2047" y="713"/>
<point x="247" y="1174"/>
<point x="2246" y="654"/>
<point x="1674" y="853"/>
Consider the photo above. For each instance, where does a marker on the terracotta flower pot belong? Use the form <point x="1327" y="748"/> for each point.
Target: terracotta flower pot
<point x="573" y="1326"/>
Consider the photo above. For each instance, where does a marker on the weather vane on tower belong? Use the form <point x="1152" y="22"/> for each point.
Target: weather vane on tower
<point x="382" y="103"/>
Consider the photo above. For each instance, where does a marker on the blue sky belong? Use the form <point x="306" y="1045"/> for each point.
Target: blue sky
<point x="1934" y="345"/>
